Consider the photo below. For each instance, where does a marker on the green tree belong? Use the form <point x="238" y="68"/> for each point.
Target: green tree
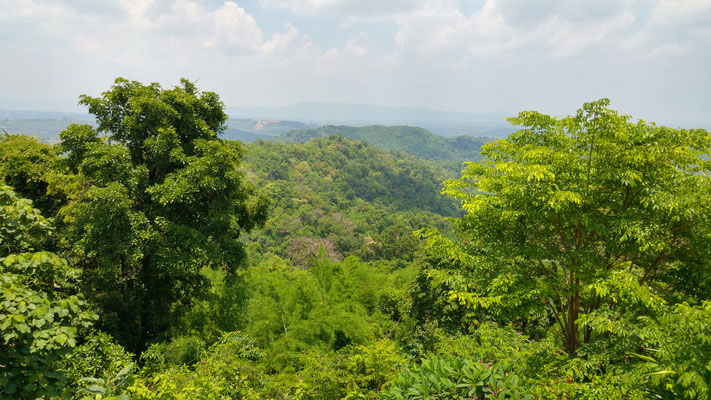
<point x="163" y="199"/>
<point x="592" y="217"/>
<point x="30" y="167"/>
<point x="40" y="311"/>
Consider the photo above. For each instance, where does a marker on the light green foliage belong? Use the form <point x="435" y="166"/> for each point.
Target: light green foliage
<point x="107" y="389"/>
<point x="328" y="306"/>
<point x="161" y="201"/>
<point x="596" y="218"/>
<point x="40" y="312"/>
<point x="370" y="367"/>
<point x="457" y="378"/>
<point x="226" y="371"/>
<point x="235" y="368"/>
<point x="320" y="327"/>
<point x="354" y="372"/>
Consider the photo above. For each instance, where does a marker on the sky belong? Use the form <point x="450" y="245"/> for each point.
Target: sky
<point x="652" y="58"/>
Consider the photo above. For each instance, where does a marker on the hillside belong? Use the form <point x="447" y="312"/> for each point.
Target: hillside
<point x="348" y="196"/>
<point x="416" y="141"/>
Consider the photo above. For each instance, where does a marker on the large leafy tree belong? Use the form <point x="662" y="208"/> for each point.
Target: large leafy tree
<point x="591" y="220"/>
<point x="163" y="199"/>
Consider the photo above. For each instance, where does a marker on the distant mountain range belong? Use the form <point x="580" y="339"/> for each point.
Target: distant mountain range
<point x="444" y="123"/>
<point x="253" y="123"/>
<point x="46" y="125"/>
<point x="249" y="130"/>
<point x="42" y="124"/>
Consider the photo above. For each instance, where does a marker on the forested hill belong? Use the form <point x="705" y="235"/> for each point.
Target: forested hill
<point x="345" y="196"/>
<point x="409" y="139"/>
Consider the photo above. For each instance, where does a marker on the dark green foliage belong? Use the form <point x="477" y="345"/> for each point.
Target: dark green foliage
<point x="162" y="201"/>
<point x="344" y="166"/>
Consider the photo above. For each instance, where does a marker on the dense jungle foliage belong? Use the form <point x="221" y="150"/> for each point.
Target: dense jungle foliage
<point x="147" y="258"/>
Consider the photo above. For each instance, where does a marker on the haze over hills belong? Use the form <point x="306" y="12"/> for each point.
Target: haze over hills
<point x="249" y="124"/>
<point x="264" y="122"/>
<point x="46" y="125"/>
<point x="253" y="123"/>
<point x="413" y="140"/>
<point x="444" y="123"/>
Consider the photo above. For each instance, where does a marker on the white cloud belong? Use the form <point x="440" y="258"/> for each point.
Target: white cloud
<point x="235" y="28"/>
<point x="568" y="38"/>
<point x="494" y="30"/>
<point x="280" y="42"/>
<point x="635" y="41"/>
<point x="352" y="48"/>
<point x="681" y="12"/>
<point x="345" y="8"/>
<point x="31" y="9"/>
<point x="459" y="54"/>
<point x="669" y="50"/>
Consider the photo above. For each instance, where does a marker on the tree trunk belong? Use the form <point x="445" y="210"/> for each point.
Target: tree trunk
<point x="572" y="334"/>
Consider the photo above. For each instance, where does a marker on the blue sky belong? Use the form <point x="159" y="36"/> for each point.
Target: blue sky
<point x="650" y="57"/>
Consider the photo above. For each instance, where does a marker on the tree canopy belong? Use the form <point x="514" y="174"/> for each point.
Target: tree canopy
<point x="163" y="198"/>
<point x="591" y="217"/>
